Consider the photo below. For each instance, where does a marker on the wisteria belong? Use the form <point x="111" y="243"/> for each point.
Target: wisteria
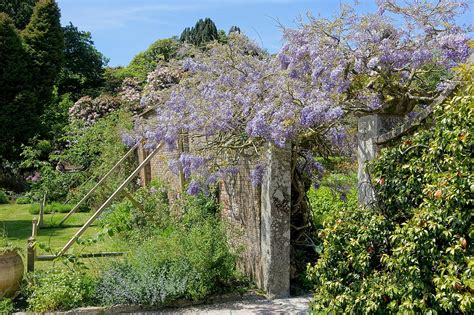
<point x="368" y="62"/>
<point x="234" y="98"/>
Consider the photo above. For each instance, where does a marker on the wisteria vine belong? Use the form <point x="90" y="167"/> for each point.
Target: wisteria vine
<point x="233" y="99"/>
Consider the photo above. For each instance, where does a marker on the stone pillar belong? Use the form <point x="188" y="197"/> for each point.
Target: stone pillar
<point x="369" y="128"/>
<point x="275" y="222"/>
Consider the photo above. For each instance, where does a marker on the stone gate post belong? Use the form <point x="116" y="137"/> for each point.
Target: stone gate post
<point x="369" y="128"/>
<point x="275" y="222"/>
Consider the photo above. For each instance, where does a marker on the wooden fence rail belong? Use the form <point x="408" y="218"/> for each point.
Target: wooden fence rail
<point x="120" y="191"/>
<point x="76" y="207"/>
<point x="108" y="202"/>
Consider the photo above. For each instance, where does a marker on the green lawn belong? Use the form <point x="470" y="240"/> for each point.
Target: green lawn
<point x="17" y="222"/>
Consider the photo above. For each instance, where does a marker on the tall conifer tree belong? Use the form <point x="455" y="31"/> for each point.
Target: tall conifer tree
<point x="17" y="117"/>
<point x="19" y="11"/>
<point x="45" y="44"/>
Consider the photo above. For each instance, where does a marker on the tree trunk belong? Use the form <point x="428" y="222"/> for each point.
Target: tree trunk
<point x="302" y="228"/>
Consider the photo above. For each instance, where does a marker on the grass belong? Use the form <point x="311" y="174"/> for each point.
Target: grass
<point x="16" y="220"/>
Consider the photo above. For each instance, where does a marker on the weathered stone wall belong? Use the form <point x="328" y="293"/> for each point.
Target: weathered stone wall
<point x="240" y="202"/>
<point x="257" y="217"/>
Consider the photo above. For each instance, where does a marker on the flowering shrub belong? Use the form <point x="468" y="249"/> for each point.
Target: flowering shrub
<point x="187" y="259"/>
<point x="130" y="90"/>
<point x="89" y="110"/>
<point x="413" y="253"/>
<point x="139" y="98"/>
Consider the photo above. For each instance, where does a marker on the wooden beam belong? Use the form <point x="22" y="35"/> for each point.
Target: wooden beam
<point x="129" y="196"/>
<point x="182" y="179"/>
<point x="76" y="207"/>
<point x="92" y="255"/>
<point x="108" y="201"/>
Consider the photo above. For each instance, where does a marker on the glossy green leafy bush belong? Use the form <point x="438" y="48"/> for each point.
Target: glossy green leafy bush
<point x="6" y="306"/>
<point x="59" y="290"/>
<point x="188" y="259"/>
<point x="413" y="253"/>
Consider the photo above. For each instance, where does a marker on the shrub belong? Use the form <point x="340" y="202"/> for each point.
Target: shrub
<point x="22" y="200"/>
<point x="54" y="207"/>
<point x="6" y="306"/>
<point x="5" y="244"/>
<point x="59" y="290"/>
<point x="93" y="150"/>
<point x="337" y="191"/>
<point x="411" y="254"/>
<point x="133" y="223"/>
<point x="89" y="110"/>
<point x="189" y="259"/>
<point x="3" y="197"/>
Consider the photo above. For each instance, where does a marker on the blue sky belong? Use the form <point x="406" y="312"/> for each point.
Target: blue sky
<point x="123" y="28"/>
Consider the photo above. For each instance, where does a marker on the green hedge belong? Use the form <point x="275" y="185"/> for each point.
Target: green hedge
<point x="54" y="207"/>
<point x="3" y="197"/>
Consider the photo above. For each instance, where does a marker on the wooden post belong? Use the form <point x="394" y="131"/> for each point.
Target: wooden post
<point x="41" y="213"/>
<point x="76" y="207"/>
<point x="30" y="249"/>
<point x="108" y="202"/>
<point x="182" y="179"/>
<point x="145" y="173"/>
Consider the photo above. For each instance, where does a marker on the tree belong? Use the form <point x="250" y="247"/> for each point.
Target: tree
<point x="84" y="65"/>
<point x="222" y="37"/>
<point x="19" y="11"/>
<point x="17" y="111"/>
<point x="44" y="40"/>
<point x="203" y="32"/>
<point x="162" y="50"/>
<point x="234" y="29"/>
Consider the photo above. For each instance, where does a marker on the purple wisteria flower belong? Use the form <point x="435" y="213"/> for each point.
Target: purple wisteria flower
<point x="194" y="188"/>
<point x="256" y="175"/>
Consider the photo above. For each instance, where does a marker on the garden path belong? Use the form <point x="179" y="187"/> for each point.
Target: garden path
<point x="251" y="305"/>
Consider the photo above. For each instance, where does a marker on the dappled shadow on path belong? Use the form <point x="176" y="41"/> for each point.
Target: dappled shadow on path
<point x="253" y="305"/>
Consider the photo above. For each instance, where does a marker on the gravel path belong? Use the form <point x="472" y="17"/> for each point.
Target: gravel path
<point x="253" y="305"/>
<point x="247" y="304"/>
